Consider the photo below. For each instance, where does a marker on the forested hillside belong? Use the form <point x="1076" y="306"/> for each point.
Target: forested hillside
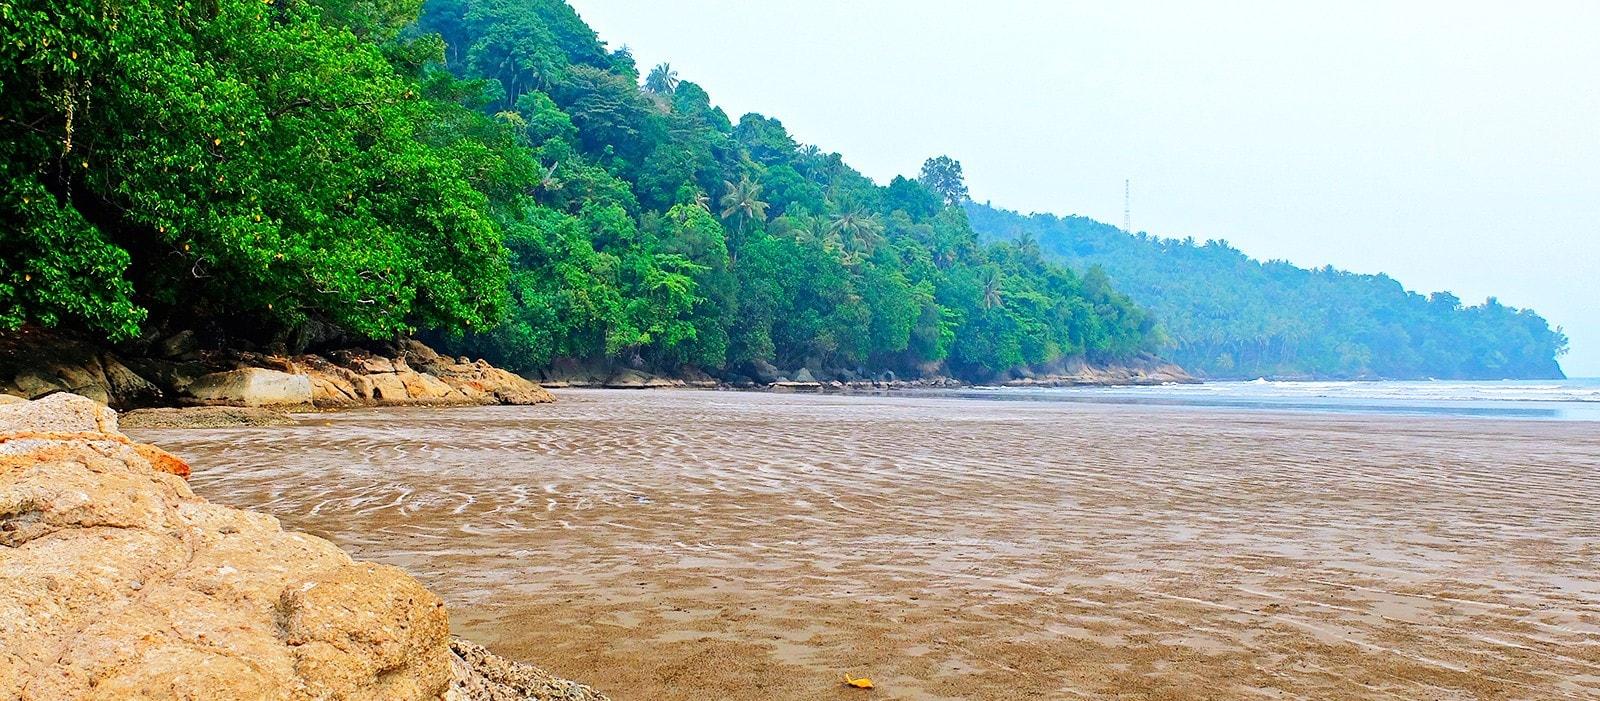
<point x="1228" y="315"/>
<point x="286" y="173"/>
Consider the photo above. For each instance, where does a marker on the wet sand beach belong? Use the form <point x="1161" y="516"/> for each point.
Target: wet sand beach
<point x="711" y="545"/>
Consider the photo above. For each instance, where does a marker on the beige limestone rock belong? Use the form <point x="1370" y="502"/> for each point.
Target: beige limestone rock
<point x="493" y="384"/>
<point x="387" y="387"/>
<point x="117" y="582"/>
<point x="251" y="387"/>
<point x="376" y="365"/>
<point x="57" y="413"/>
<point x="35" y="363"/>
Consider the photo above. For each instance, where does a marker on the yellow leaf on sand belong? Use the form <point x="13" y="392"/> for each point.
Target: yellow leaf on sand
<point x="862" y="683"/>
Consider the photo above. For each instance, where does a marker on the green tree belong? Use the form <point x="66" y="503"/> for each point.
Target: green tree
<point x="942" y="175"/>
<point x="662" y="80"/>
<point x="162" y="157"/>
<point x="860" y="230"/>
<point x="742" y="202"/>
<point x="991" y="281"/>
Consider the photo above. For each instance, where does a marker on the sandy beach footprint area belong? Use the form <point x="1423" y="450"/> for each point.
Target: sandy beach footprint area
<point x="711" y="545"/>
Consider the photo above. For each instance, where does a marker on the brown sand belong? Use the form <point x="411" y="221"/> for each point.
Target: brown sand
<point x="708" y="545"/>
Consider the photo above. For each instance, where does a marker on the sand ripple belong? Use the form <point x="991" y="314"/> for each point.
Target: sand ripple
<point x="690" y="545"/>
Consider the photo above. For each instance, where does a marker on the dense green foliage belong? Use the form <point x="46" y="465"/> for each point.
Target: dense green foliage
<point x="663" y="232"/>
<point x="237" y="160"/>
<point x="490" y="172"/>
<point x="1228" y="315"/>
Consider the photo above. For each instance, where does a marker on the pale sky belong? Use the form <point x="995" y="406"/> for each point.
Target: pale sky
<point x="1453" y="145"/>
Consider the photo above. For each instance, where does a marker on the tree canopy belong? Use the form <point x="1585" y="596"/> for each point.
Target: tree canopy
<point x="490" y="173"/>
<point x="250" y="163"/>
<point x="1227" y="315"/>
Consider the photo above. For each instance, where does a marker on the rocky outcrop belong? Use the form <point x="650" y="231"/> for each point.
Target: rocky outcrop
<point x="117" y="582"/>
<point x="567" y="372"/>
<point x="1141" y="371"/>
<point x="415" y="376"/>
<point x="34" y="364"/>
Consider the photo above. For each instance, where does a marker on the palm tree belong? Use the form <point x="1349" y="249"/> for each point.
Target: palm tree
<point x="991" y="287"/>
<point x="743" y="200"/>
<point x="702" y="200"/>
<point x="816" y="228"/>
<point x="1028" y="246"/>
<point x="859" y="227"/>
<point x="547" y="180"/>
<point x="662" y="80"/>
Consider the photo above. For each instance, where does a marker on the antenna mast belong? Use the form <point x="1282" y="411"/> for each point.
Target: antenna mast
<point x="1127" y="209"/>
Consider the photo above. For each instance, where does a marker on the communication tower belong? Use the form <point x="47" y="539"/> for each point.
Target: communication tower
<point x="1127" y="209"/>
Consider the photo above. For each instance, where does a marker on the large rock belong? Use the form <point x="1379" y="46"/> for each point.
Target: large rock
<point x="482" y="380"/>
<point x="416" y="376"/>
<point x="125" y="385"/>
<point x="251" y="387"/>
<point x="64" y="414"/>
<point x="117" y="582"/>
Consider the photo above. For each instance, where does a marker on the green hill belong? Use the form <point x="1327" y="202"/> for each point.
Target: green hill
<point x="1227" y="315"/>
<point x="290" y="173"/>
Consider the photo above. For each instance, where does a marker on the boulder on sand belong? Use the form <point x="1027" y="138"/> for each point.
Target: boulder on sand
<point x="117" y="582"/>
<point x="251" y="387"/>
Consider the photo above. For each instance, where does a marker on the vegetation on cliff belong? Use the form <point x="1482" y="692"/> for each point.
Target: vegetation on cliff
<point x="487" y="170"/>
<point x="1228" y="315"/>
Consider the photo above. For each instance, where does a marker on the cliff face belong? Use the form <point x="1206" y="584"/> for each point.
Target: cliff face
<point x="117" y="582"/>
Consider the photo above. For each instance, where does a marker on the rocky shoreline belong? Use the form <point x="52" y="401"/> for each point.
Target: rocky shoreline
<point x="117" y="581"/>
<point x="176" y="373"/>
<point x="1143" y="371"/>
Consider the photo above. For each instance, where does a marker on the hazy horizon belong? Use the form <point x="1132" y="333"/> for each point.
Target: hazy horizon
<point x="1450" y="146"/>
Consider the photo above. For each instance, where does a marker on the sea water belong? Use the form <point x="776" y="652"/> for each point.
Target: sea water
<point x="1559" y="400"/>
